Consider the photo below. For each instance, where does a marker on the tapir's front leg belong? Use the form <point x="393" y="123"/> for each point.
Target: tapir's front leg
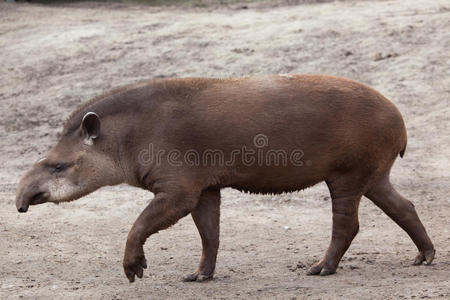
<point x="164" y="210"/>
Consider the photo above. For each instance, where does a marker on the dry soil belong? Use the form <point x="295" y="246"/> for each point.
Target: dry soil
<point x="52" y="58"/>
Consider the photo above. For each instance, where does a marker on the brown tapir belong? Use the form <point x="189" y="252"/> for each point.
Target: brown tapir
<point x="185" y="139"/>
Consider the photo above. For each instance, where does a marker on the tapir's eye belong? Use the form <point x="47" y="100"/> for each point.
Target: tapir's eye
<point x="59" y="167"/>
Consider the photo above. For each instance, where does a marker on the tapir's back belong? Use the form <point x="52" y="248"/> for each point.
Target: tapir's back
<point x="294" y="105"/>
<point x="331" y="123"/>
<point x="293" y="111"/>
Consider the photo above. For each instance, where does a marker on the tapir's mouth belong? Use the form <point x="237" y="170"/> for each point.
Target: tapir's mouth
<point x="39" y="198"/>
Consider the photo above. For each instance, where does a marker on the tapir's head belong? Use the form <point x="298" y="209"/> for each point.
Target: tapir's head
<point x="81" y="162"/>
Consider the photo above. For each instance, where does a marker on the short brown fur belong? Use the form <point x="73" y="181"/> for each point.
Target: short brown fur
<point x="348" y="134"/>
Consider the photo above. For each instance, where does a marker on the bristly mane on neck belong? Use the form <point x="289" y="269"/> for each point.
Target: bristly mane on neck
<point x="74" y="119"/>
<point x="137" y="95"/>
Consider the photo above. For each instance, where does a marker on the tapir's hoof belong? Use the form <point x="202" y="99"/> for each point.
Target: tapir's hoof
<point x="135" y="267"/>
<point x="320" y="269"/>
<point x="315" y="269"/>
<point x="326" y="272"/>
<point x="426" y="256"/>
<point x="197" y="277"/>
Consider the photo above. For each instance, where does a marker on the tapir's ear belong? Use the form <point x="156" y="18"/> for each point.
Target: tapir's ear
<point x="90" y="125"/>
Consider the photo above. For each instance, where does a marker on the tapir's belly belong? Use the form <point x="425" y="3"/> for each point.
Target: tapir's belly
<point x="279" y="179"/>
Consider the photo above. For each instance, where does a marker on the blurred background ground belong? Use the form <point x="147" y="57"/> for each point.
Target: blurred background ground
<point x="243" y="4"/>
<point x="56" y="56"/>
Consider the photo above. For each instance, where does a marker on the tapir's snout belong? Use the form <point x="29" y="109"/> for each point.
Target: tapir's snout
<point x="22" y="209"/>
<point x="29" y="194"/>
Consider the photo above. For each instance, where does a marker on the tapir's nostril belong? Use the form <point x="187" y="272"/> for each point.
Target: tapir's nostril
<point x="22" y="209"/>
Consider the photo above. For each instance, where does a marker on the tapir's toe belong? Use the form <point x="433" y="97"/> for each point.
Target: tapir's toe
<point x="321" y="269"/>
<point x="316" y="269"/>
<point x="326" y="271"/>
<point x="201" y="278"/>
<point x="190" y="277"/>
<point x="197" y="277"/>
<point x="427" y="256"/>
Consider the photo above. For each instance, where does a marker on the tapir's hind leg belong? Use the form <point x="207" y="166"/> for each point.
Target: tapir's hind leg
<point x="207" y="218"/>
<point x="345" y="200"/>
<point x="402" y="211"/>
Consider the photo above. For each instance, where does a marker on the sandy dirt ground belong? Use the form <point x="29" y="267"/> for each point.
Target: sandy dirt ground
<point x="54" y="58"/>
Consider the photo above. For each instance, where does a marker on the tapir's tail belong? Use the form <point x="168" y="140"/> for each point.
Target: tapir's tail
<point x="405" y="141"/>
<point x="402" y="152"/>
